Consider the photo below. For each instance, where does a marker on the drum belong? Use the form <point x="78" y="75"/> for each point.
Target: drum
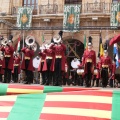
<point x="36" y="62"/>
<point x="80" y="71"/>
<point x="95" y="72"/>
<point x="75" y="63"/>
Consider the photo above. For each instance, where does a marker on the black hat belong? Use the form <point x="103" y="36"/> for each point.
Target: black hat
<point x="89" y="41"/>
<point x="105" y="47"/>
<point x="52" y="40"/>
<point x="60" y="33"/>
<point x="1" y="37"/>
<point x="10" y="37"/>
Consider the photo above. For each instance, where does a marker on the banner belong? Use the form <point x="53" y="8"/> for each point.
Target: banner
<point x="71" y="20"/>
<point x="115" y="15"/>
<point x="24" y="17"/>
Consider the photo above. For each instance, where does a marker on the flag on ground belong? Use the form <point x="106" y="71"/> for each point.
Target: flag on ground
<point x="86" y="105"/>
<point x="115" y="52"/>
<point x="101" y="50"/>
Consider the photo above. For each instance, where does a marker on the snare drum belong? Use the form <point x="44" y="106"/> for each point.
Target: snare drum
<point x="80" y="71"/>
<point x="95" y="72"/>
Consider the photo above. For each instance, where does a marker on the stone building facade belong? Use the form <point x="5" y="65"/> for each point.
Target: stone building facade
<point x="49" y="13"/>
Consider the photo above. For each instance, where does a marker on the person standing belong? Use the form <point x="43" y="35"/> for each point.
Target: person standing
<point x="89" y="62"/>
<point x="58" y="65"/>
<point x="49" y="58"/>
<point x="27" y="64"/>
<point x="105" y="65"/>
<point x="16" y="67"/>
<point x="8" y="57"/>
<point x="43" y="65"/>
<point x="2" y="66"/>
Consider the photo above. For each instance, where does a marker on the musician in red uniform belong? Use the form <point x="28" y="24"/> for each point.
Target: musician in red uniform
<point x="27" y="63"/>
<point x="8" y="57"/>
<point x="49" y="58"/>
<point x="105" y="65"/>
<point x="89" y="62"/>
<point x="16" y="67"/>
<point x="58" y="65"/>
<point x="2" y="66"/>
<point x="43" y="65"/>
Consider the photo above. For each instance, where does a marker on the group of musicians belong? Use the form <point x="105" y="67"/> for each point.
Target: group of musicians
<point x="53" y="64"/>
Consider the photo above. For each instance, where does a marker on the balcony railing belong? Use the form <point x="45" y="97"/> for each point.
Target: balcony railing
<point x="96" y="7"/>
<point x="87" y="8"/>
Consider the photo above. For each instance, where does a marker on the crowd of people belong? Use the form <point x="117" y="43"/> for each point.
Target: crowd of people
<point x="53" y="65"/>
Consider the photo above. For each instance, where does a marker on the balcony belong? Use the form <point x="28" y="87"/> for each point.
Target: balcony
<point x="93" y="8"/>
<point x="43" y="9"/>
<point x="87" y="8"/>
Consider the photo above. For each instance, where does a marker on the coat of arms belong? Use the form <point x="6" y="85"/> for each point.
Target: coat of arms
<point x="118" y="16"/>
<point x="24" y="19"/>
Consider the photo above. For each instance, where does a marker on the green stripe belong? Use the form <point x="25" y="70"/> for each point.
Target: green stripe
<point x="27" y="107"/>
<point x="48" y="89"/>
<point x="3" y="89"/>
<point x="116" y="106"/>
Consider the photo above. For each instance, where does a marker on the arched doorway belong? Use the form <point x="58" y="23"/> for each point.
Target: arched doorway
<point x="74" y="49"/>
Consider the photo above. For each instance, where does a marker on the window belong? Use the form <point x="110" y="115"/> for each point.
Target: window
<point x="33" y="3"/>
<point x="115" y="1"/>
<point x="73" y="1"/>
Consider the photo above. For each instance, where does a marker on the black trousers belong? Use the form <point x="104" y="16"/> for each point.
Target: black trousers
<point x="58" y="72"/>
<point x="15" y="75"/>
<point x="29" y="74"/>
<point x="104" y="76"/>
<point x="0" y="77"/>
<point x="7" y="72"/>
<point x="43" y="73"/>
<point x="49" y="73"/>
<point x="89" y="74"/>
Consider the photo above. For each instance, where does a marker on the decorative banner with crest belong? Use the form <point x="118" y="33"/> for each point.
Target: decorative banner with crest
<point x="71" y="21"/>
<point x="24" y="17"/>
<point x="115" y="15"/>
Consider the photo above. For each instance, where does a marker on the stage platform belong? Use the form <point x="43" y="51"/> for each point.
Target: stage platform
<point x="35" y="102"/>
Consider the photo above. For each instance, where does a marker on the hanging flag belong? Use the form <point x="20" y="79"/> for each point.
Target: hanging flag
<point x="18" y="45"/>
<point x="115" y="52"/>
<point x="24" y="17"/>
<point x="115" y="15"/>
<point x="85" y="45"/>
<point x="71" y="21"/>
<point x="101" y="50"/>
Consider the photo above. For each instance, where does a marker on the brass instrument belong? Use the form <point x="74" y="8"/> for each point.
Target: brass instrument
<point x="57" y="39"/>
<point x="4" y="41"/>
<point x="30" y="41"/>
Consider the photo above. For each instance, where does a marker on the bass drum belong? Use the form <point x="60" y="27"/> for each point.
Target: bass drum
<point x="80" y="71"/>
<point x="75" y="63"/>
<point x="36" y="62"/>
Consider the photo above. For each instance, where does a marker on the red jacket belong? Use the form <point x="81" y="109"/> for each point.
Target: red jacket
<point x="8" y="51"/>
<point x="16" y="63"/>
<point x="89" y="55"/>
<point x="59" y="51"/>
<point x="43" y="60"/>
<point x="27" y="53"/>
<point x="1" y="66"/>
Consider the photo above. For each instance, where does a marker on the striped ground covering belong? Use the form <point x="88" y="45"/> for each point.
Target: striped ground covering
<point x="72" y="105"/>
<point x="12" y="89"/>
